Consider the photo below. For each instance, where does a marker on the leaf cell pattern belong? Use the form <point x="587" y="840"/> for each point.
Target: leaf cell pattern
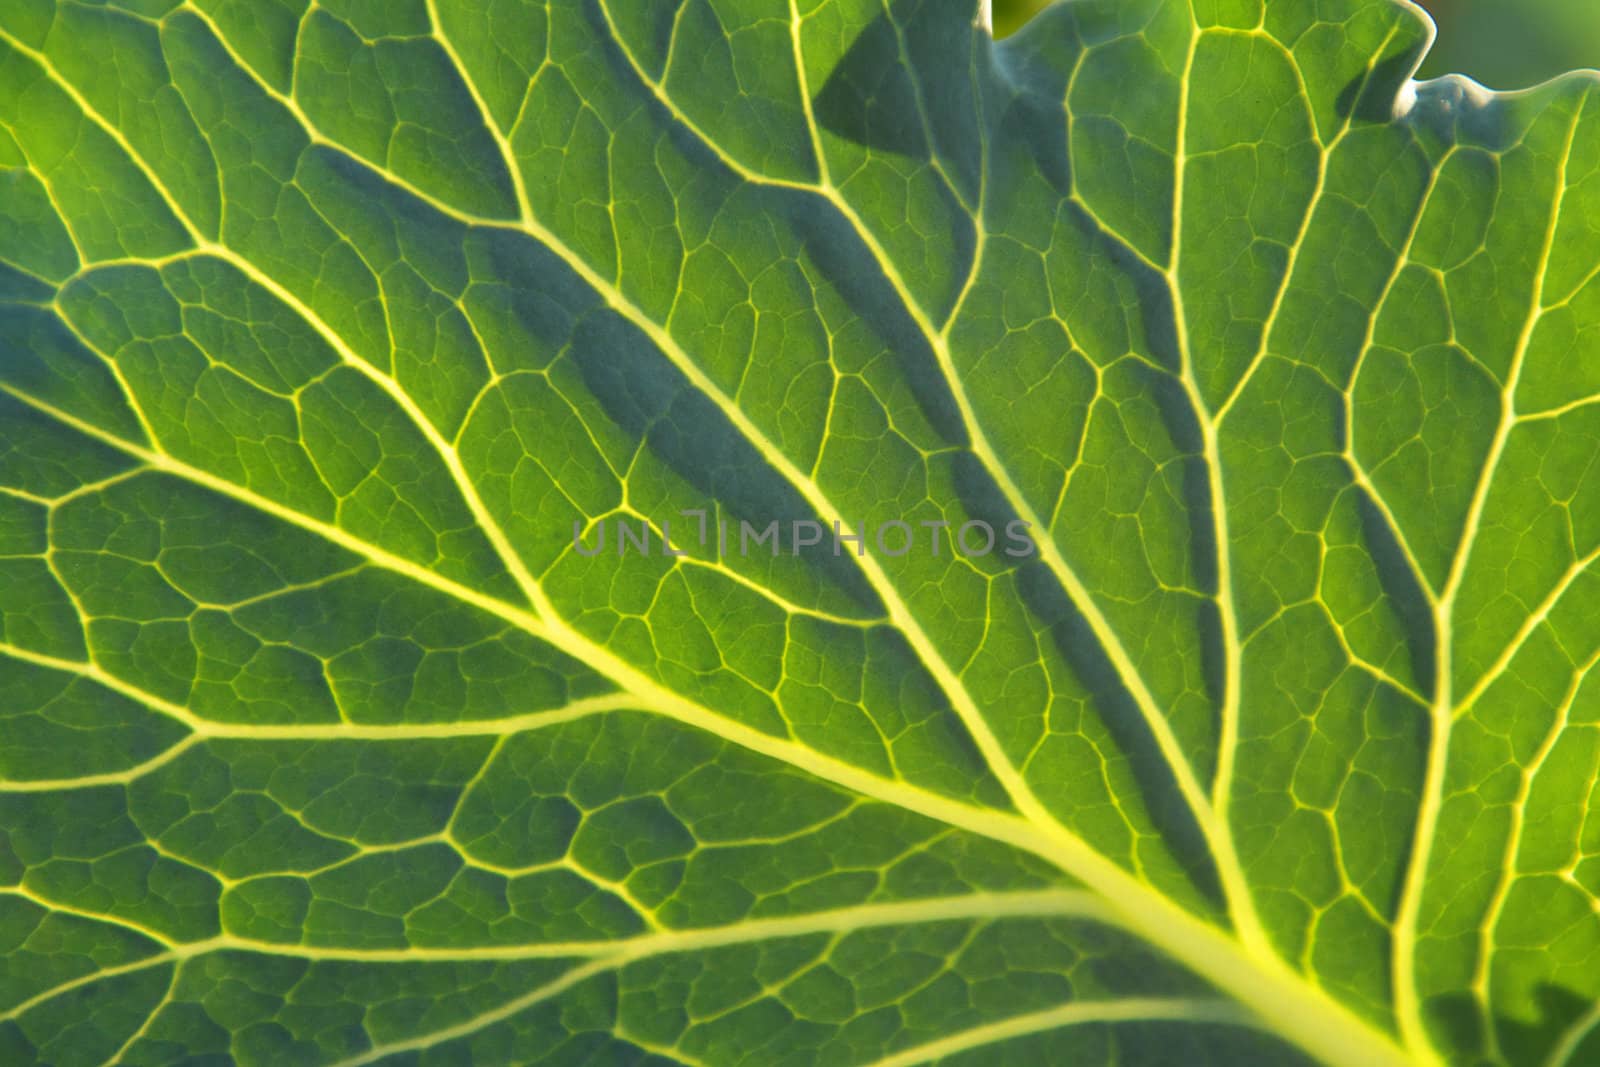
<point x="324" y="325"/>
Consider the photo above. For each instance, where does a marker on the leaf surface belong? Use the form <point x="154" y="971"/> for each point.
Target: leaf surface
<point x="333" y="338"/>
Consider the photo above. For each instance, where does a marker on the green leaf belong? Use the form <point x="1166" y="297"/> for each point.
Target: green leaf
<point x="325" y="328"/>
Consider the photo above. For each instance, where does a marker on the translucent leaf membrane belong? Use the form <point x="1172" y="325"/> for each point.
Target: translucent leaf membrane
<point x="360" y="361"/>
